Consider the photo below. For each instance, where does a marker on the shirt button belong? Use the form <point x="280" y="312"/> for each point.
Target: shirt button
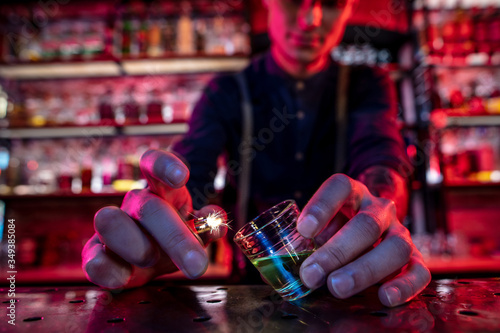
<point x="299" y="156"/>
<point x="300" y="85"/>
<point x="300" y="115"/>
<point x="297" y="194"/>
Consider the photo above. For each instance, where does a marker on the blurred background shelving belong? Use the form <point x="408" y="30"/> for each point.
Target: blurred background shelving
<point x="457" y="85"/>
<point x="87" y="87"/>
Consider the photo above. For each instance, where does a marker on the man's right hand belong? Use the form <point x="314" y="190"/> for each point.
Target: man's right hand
<point x="148" y="235"/>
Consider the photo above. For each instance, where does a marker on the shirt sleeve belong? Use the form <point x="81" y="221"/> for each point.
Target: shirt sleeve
<point x="373" y="131"/>
<point x="205" y="141"/>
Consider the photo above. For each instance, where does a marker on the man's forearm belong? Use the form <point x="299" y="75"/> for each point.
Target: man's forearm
<point x="386" y="183"/>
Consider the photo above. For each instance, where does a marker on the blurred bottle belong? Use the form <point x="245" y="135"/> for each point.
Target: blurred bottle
<point x="17" y="173"/>
<point x="94" y="38"/>
<point x="215" y="36"/>
<point x="125" y="169"/>
<point x="67" y="112"/>
<point x="84" y="108"/>
<point x="5" y="107"/>
<point x="65" y="165"/>
<point x="142" y="37"/>
<point x="154" y="107"/>
<point x="50" y="41"/>
<point x="131" y="109"/>
<point x="17" y="111"/>
<point x="475" y="102"/>
<point x="185" y="31"/>
<point x="240" y="40"/>
<point x="170" y="36"/>
<point x="4" y="165"/>
<point x="449" y="32"/>
<point x="37" y="106"/>
<point x="155" y="48"/>
<point x="180" y="104"/>
<point x="154" y="25"/>
<point x="71" y="44"/>
<point x="457" y="99"/>
<point x="106" y="109"/>
<point x="108" y="172"/>
<point x="227" y="36"/>
<point x="167" y="110"/>
<point x="200" y="35"/>
<point x="434" y="31"/>
<point x="86" y="173"/>
<point x="481" y="32"/>
<point x="129" y="45"/>
<point x="494" y="29"/>
<point x="64" y="182"/>
<point x="137" y="37"/>
<point x="465" y="29"/>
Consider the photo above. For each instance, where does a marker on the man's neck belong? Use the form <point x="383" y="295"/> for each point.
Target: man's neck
<point x="296" y="69"/>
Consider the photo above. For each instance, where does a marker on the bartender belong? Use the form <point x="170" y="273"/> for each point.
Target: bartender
<point x="353" y="213"/>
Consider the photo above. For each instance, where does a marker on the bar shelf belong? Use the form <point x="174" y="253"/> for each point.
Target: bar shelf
<point x="148" y="66"/>
<point x="435" y="62"/>
<point x="480" y="120"/>
<point x="469" y="183"/>
<point x="92" y="131"/>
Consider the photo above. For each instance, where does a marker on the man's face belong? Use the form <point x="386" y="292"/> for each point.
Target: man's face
<point x="305" y="30"/>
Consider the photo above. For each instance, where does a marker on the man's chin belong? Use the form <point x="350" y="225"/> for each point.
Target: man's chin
<point x="306" y="55"/>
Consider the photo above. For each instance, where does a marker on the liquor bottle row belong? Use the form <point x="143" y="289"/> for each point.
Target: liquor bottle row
<point x="76" y="165"/>
<point x="364" y="54"/>
<point x="121" y="101"/>
<point x="468" y="91"/>
<point x="459" y="36"/>
<point x="185" y="35"/>
<point x="451" y="4"/>
<point x="127" y="36"/>
<point x="471" y="154"/>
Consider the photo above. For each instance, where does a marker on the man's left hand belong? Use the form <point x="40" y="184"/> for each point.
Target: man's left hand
<point x="361" y="243"/>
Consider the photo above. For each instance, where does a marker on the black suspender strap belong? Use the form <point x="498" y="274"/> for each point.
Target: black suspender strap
<point x="341" y="118"/>
<point x="243" y="191"/>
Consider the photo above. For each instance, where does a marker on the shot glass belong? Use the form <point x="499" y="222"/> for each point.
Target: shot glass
<point x="275" y="247"/>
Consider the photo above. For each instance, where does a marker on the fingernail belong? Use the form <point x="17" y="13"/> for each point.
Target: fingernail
<point x="342" y="284"/>
<point x="194" y="264"/>
<point x="393" y="295"/>
<point x="313" y="276"/>
<point x="307" y="226"/>
<point x="176" y="173"/>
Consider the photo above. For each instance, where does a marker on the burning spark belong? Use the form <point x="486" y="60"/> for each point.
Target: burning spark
<point x="212" y="222"/>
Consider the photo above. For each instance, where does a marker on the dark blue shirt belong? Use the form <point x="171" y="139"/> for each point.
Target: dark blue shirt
<point x="294" y="132"/>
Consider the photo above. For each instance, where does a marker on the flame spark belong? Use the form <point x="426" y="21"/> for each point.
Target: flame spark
<point x="214" y="221"/>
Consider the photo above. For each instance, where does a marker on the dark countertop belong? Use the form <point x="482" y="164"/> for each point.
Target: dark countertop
<point x="444" y="306"/>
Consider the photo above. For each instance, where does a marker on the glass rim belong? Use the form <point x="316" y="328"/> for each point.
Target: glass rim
<point x="289" y="203"/>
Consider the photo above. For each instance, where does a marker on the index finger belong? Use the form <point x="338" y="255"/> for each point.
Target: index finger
<point x="163" y="222"/>
<point x="336" y="192"/>
<point x="165" y="168"/>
